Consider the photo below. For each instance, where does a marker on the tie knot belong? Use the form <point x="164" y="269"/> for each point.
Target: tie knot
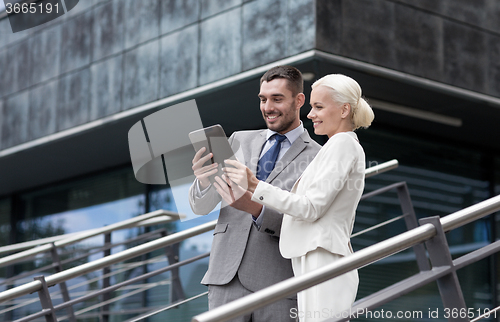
<point x="280" y="138"/>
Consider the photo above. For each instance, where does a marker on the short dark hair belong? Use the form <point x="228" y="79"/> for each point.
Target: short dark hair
<point x="292" y="74"/>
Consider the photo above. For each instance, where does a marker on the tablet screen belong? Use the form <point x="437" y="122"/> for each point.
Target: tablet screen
<point x="214" y="140"/>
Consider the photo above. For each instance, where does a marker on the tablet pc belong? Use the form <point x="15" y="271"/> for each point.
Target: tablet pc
<point x="214" y="140"/>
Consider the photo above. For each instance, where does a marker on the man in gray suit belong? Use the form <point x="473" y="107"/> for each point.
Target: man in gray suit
<point x="245" y="256"/>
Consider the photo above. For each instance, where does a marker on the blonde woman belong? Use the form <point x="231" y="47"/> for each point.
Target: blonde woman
<point x="320" y="209"/>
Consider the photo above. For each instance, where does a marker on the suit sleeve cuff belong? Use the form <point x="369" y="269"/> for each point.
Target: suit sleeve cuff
<point x="258" y="221"/>
<point x="198" y="192"/>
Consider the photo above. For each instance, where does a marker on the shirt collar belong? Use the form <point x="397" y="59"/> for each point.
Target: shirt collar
<point x="290" y="135"/>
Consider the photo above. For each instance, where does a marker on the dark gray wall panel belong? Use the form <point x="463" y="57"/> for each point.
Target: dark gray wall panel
<point x="15" y="120"/>
<point x="15" y="68"/>
<point x="73" y="99"/>
<point x="220" y="46"/>
<point x="465" y="56"/>
<point x="447" y="41"/>
<point x="45" y="54"/>
<point x="23" y="63"/>
<point x="492" y="15"/>
<point x="470" y="12"/>
<point x="494" y="65"/>
<point x="106" y="87"/>
<point x="429" y="5"/>
<point x="142" y="21"/>
<point x="329" y="25"/>
<point x="418" y="42"/>
<point x="213" y="7"/>
<point x="96" y="2"/>
<point x="135" y="51"/>
<point x="7" y="36"/>
<point x="264" y="32"/>
<point x="140" y="79"/>
<point x="481" y="13"/>
<point x="179" y="61"/>
<point x="6" y="32"/>
<point x="108" y="31"/>
<point x="42" y="110"/>
<point x="1" y="121"/>
<point x="82" y="6"/>
<point x="368" y="31"/>
<point x="76" y="42"/>
<point x="7" y="72"/>
<point x="301" y="26"/>
<point x="176" y="14"/>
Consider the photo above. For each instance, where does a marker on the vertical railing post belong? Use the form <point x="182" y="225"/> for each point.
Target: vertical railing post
<point x="144" y="268"/>
<point x="104" y="316"/>
<point x="449" y="286"/>
<point x="176" y="290"/>
<point x="10" y="284"/>
<point x="46" y="301"/>
<point x="411" y="223"/>
<point x="56" y="262"/>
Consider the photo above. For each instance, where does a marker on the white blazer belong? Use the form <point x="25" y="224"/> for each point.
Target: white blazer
<point x="320" y="208"/>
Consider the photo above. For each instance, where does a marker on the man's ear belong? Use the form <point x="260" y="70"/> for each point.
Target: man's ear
<point x="300" y="100"/>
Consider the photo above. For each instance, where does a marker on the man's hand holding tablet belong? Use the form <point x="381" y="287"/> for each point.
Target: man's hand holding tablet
<point x="212" y="148"/>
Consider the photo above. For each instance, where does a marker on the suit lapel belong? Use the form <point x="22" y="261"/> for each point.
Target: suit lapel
<point x="255" y="149"/>
<point x="297" y="147"/>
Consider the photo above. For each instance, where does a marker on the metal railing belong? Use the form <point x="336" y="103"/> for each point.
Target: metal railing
<point x="63" y="276"/>
<point x="53" y="252"/>
<point x="431" y="231"/>
<point x="381" y="168"/>
<point x="151" y="218"/>
<point x="41" y="284"/>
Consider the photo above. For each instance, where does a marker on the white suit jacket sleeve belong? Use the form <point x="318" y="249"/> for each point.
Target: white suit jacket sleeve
<point x="321" y="182"/>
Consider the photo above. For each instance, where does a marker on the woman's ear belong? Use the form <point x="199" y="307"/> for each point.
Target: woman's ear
<point x="346" y="110"/>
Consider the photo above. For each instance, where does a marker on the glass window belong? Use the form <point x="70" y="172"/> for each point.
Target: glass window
<point x="4" y="231"/>
<point x="5" y="221"/>
<point x="161" y="197"/>
<point x="497" y="192"/>
<point x="91" y="202"/>
<point x="77" y="205"/>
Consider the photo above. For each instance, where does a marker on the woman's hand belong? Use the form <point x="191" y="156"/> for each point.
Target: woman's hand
<point x="228" y="190"/>
<point x="241" y="175"/>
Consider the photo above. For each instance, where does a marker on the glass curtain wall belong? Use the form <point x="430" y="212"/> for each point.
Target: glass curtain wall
<point x="82" y="204"/>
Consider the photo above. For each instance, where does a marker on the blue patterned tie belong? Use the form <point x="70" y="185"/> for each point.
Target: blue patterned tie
<point x="266" y="163"/>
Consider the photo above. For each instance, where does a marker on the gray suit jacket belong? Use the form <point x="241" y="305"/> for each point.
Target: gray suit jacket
<point x="238" y="246"/>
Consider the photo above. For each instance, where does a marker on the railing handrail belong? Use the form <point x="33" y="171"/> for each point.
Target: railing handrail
<point x="34" y="243"/>
<point x="70" y="273"/>
<point x="77" y="237"/>
<point x="381" y="168"/>
<point x="65" y="275"/>
<point x="162" y="219"/>
<point x="356" y="260"/>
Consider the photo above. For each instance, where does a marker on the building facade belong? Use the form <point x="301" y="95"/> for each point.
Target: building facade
<point x="70" y="90"/>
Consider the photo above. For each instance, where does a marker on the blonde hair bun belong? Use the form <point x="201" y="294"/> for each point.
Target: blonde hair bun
<point x="347" y="90"/>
